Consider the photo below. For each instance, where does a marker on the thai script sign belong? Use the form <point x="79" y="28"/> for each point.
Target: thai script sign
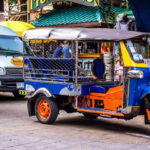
<point x="36" y="4"/>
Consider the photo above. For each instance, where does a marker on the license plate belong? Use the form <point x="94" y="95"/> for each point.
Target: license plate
<point x="20" y="85"/>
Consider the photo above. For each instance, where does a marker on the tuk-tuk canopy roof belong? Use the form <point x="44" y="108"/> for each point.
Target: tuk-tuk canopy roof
<point x="80" y="34"/>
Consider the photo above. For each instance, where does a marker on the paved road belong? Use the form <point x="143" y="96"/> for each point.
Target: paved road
<point x="70" y="132"/>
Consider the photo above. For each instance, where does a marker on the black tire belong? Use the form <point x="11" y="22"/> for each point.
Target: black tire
<point x="53" y="111"/>
<point x="90" y="116"/>
<point x="146" y="102"/>
<point x="17" y="95"/>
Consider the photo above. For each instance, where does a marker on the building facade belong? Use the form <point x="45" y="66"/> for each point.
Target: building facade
<point x="75" y="13"/>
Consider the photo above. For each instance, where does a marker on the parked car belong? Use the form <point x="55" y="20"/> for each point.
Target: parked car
<point x="12" y="48"/>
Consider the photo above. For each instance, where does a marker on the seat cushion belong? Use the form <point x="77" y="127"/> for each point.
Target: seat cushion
<point x="97" y="89"/>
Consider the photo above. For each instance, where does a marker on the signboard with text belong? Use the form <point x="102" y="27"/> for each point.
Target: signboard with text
<point x="37" y="4"/>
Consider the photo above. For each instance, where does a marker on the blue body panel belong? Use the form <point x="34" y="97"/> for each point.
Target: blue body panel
<point x="97" y="89"/>
<point x="56" y="88"/>
<point x="137" y="88"/>
<point x="145" y="92"/>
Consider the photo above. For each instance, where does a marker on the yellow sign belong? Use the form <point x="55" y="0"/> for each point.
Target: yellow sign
<point x="42" y="41"/>
<point x="22" y="92"/>
<point x="17" y="62"/>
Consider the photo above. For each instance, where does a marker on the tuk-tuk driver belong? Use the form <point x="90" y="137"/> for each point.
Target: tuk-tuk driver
<point x="67" y="51"/>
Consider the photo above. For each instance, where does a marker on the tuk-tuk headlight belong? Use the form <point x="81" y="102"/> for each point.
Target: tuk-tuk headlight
<point x="2" y="71"/>
<point x="135" y="74"/>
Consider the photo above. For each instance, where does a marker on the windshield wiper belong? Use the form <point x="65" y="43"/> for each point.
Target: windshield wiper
<point x="8" y="51"/>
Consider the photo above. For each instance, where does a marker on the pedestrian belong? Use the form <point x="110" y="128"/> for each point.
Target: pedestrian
<point x="123" y="23"/>
<point x="67" y="52"/>
<point x="58" y="51"/>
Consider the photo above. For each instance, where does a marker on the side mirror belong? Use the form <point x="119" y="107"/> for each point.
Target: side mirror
<point x="135" y="74"/>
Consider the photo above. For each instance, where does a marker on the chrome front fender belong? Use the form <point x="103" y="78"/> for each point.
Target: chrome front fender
<point x="43" y="91"/>
<point x="32" y="99"/>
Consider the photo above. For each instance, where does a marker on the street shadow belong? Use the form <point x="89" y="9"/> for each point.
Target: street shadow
<point x="105" y="124"/>
<point x="8" y="97"/>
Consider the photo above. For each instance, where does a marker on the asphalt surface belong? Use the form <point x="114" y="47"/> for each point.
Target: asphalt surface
<point x="70" y="131"/>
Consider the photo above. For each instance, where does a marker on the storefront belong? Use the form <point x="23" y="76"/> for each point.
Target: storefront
<point x="74" y="13"/>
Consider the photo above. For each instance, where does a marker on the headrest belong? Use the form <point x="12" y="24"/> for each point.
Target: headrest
<point x="98" y="68"/>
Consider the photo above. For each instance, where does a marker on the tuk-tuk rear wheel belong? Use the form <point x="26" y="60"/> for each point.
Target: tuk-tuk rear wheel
<point x="46" y="110"/>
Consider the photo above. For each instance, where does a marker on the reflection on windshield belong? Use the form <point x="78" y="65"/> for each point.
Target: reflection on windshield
<point x="13" y="46"/>
<point x="137" y="50"/>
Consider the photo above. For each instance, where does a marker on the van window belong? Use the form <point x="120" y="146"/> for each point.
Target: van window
<point x="10" y="45"/>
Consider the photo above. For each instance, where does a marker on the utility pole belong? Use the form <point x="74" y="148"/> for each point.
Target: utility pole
<point x="7" y="9"/>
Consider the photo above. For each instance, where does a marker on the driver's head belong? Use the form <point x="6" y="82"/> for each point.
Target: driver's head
<point x="125" y="18"/>
<point x="66" y="43"/>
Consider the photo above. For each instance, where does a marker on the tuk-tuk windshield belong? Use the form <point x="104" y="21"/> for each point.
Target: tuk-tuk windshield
<point x="10" y="45"/>
<point x="137" y="50"/>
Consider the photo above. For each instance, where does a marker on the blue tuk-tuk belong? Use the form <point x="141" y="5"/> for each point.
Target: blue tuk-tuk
<point x="113" y="83"/>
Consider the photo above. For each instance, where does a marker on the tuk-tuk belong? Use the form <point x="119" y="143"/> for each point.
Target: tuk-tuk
<point x="114" y="83"/>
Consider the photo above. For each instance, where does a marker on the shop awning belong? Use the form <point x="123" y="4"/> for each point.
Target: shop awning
<point x="81" y="34"/>
<point x="74" y="15"/>
<point x="71" y="15"/>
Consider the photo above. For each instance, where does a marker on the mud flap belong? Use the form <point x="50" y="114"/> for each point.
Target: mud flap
<point x="30" y="107"/>
<point x="147" y="116"/>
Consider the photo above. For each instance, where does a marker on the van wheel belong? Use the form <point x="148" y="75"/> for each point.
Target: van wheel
<point x="17" y="95"/>
<point x="46" y="110"/>
<point x="90" y="116"/>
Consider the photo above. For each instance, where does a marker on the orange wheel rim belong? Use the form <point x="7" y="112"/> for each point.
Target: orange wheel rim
<point x="43" y="109"/>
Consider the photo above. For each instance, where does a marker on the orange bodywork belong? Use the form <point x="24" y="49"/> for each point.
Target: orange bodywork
<point x="101" y="112"/>
<point x="148" y="115"/>
<point x="111" y="100"/>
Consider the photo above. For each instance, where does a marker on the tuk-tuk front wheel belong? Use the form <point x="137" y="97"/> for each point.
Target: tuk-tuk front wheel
<point x="46" y="110"/>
